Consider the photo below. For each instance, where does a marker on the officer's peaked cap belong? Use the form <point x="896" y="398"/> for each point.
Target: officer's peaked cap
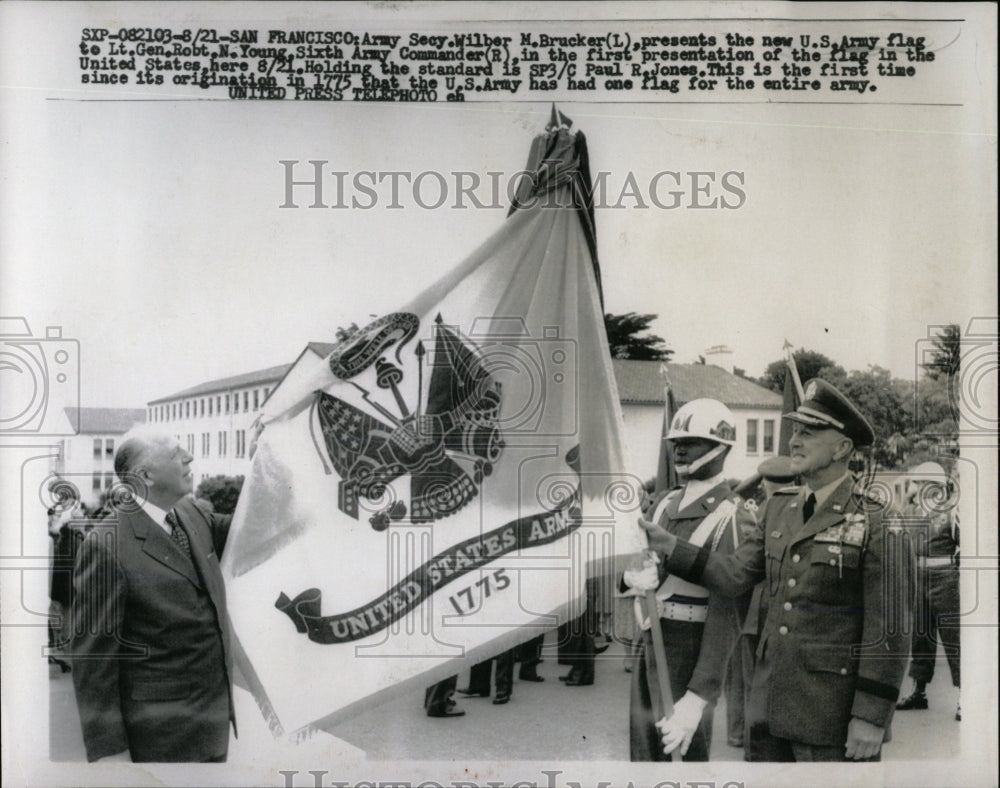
<point x="825" y="407"/>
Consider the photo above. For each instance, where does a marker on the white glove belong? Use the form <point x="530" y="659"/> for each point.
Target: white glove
<point x="644" y="578"/>
<point x="678" y="729"/>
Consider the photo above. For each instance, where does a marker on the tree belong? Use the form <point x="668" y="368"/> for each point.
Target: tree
<point x="947" y="353"/>
<point x="222" y="491"/>
<point x="876" y="395"/>
<point x="624" y="338"/>
<point x="809" y="363"/>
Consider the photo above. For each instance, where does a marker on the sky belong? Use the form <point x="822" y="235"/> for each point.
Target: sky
<point x="152" y="232"/>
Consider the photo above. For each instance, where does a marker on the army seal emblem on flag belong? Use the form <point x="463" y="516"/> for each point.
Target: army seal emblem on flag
<point x="447" y="446"/>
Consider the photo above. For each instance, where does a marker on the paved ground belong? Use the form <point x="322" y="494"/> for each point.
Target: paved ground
<point x="592" y="723"/>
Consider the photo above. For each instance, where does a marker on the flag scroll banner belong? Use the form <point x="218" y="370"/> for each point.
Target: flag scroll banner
<point x="439" y="488"/>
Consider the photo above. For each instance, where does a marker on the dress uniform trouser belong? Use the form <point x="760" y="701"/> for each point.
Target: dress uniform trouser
<point x="479" y="675"/>
<point x="938" y="597"/>
<point x="682" y="642"/>
<point x="735" y="692"/>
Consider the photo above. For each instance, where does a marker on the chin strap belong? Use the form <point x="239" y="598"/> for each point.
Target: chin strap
<point x="701" y="462"/>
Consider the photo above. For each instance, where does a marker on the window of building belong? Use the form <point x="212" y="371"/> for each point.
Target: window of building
<point x="256" y="399"/>
<point x="222" y="444"/>
<point x="246" y="401"/>
<point x="205" y="444"/>
<point x="218" y="405"/>
<point x="109" y="447"/>
<point x="227" y="403"/>
<point x="98" y="445"/>
<point x="201" y="407"/>
<point x="190" y="444"/>
<point x="241" y="437"/>
<point x="267" y="393"/>
<point x="96" y="484"/>
<point x="109" y="479"/>
<point x="751" y="436"/>
<point x="768" y="436"/>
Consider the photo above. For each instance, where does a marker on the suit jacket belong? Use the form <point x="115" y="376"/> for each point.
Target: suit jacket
<point x="151" y="639"/>
<point x="837" y="593"/>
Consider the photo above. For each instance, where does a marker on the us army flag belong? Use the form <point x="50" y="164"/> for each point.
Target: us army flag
<point x="438" y="488"/>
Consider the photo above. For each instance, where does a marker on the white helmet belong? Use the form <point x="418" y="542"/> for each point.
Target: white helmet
<point x="930" y="469"/>
<point x="704" y="418"/>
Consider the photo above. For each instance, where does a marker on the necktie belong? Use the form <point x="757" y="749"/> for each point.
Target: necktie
<point x="177" y="534"/>
<point x="809" y="508"/>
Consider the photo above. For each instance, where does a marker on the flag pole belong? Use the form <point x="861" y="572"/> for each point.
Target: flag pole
<point x="663" y="483"/>
<point x="790" y="360"/>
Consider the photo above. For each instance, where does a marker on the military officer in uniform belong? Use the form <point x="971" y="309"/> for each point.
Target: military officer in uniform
<point x="698" y="632"/>
<point x="832" y="649"/>
<point x="931" y="516"/>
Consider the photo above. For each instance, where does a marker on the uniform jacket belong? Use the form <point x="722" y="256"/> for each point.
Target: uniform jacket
<point x="722" y="625"/>
<point x="151" y="639"/>
<point x="837" y="596"/>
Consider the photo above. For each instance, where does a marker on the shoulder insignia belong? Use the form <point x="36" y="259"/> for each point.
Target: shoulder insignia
<point x="750" y="505"/>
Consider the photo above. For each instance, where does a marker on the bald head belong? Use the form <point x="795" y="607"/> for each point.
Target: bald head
<point x="153" y="462"/>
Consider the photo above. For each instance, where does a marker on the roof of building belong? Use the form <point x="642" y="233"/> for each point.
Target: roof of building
<point x="641" y="383"/>
<point x="268" y="375"/>
<point x="261" y="376"/>
<point x="107" y="420"/>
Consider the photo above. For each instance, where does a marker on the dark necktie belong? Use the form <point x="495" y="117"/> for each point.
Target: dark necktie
<point x="177" y="534"/>
<point x="809" y="508"/>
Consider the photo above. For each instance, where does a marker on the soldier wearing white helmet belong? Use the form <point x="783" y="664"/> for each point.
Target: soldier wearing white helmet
<point x="698" y="634"/>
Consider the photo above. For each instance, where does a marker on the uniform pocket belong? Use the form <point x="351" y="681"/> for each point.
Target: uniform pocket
<point x="835" y="555"/>
<point x="828" y="658"/>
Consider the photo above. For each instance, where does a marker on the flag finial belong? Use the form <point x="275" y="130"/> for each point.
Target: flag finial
<point x="558" y="120"/>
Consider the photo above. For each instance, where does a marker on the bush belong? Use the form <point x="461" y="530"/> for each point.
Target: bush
<point x="222" y="491"/>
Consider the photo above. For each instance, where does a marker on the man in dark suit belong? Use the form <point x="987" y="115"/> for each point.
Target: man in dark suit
<point x="833" y="645"/>
<point x="151" y="636"/>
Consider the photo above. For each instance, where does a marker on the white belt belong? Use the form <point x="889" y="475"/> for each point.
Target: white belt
<point x="673" y="611"/>
<point x="678" y="611"/>
<point x="944" y="560"/>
